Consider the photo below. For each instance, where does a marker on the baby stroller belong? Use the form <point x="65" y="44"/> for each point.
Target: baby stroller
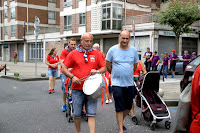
<point x="69" y="112"/>
<point x="153" y="108"/>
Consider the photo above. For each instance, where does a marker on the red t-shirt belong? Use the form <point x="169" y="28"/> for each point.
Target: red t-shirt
<point x="137" y="71"/>
<point x="195" y="101"/>
<point x="81" y="68"/>
<point x="63" y="55"/>
<point x="52" y="60"/>
<point x="108" y="76"/>
<point x="195" y="94"/>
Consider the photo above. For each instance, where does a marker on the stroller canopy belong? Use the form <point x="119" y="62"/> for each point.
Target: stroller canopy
<point x="151" y="81"/>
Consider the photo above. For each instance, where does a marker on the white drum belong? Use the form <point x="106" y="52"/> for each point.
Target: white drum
<point x="93" y="85"/>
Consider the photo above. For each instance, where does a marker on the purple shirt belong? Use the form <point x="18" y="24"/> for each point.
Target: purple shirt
<point x="149" y="55"/>
<point x="193" y="58"/>
<point x="186" y="57"/>
<point x="165" y="61"/>
<point x="155" y="60"/>
<point x="173" y="56"/>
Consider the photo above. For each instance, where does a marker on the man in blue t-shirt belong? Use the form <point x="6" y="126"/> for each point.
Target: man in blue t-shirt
<point x="121" y="60"/>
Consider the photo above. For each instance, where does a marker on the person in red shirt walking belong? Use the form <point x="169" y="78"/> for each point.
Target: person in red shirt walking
<point x="195" y="102"/>
<point x="52" y="62"/>
<point x="71" y="46"/>
<point x="83" y="61"/>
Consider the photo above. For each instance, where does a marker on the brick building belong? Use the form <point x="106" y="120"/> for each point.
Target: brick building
<point x="106" y="18"/>
<point x="17" y="27"/>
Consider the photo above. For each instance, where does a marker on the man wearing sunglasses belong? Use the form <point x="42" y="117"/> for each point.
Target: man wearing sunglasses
<point x="83" y="61"/>
<point x="121" y="61"/>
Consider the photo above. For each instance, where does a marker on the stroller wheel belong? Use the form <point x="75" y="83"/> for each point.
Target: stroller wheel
<point x="86" y="118"/>
<point x="70" y="119"/>
<point x="153" y="126"/>
<point x="167" y="125"/>
<point x="67" y="114"/>
<point x="134" y="119"/>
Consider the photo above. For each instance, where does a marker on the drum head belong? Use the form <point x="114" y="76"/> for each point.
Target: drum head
<point x="92" y="83"/>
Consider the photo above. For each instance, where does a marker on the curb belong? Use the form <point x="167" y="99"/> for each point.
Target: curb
<point x="26" y="79"/>
<point x="171" y="102"/>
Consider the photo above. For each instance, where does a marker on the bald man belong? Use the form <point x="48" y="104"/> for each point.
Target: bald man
<point x="121" y="61"/>
<point x="83" y="61"/>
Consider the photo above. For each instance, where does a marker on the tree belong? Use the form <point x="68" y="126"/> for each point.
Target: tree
<point x="180" y="16"/>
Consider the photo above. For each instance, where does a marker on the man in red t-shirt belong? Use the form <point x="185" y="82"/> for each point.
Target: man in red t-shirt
<point x="83" y="61"/>
<point x="195" y="102"/>
<point x="71" y="46"/>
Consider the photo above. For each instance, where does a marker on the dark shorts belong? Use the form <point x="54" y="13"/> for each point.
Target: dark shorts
<point x="172" y="66"/>
<point x="110" y="89"/>
<point x="123" y="97"/>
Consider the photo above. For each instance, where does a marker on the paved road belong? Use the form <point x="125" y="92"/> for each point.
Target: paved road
<point x="26" y="107"/>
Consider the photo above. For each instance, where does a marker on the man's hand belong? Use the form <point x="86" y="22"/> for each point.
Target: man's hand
<point x="70" y="69"/>
<point x="76" y="80"/>
<point x="93" y="71"/>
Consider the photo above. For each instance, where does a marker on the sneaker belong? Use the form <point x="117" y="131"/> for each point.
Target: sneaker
<point x="110" y="101"/>
<point x="53" y="90"/>
<point x="124" y="129"/>
<point x="172" y="76"/>
<point x="49" y="91"/>
<point x="64" y="108"/>
<point x="107" y="102"/>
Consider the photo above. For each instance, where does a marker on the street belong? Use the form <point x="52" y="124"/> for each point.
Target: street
<point x="26" y="107"/>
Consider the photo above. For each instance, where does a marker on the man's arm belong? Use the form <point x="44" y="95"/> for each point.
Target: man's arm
<point x="75" y="80"/>
<point x="109" y="66"/>
<point x="135" y="66"/>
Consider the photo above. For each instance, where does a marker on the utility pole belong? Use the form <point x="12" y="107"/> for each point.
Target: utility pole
<point x="36" y="32"/>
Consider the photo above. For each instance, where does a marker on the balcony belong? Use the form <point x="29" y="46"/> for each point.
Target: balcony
<point x="44" y="31"/>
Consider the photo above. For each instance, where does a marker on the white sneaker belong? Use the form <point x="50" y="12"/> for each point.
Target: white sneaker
<point x="107" y="102"/>
<point x="110" y="101"/>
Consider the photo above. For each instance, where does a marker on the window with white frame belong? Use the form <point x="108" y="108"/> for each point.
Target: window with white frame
<point x="67" y="2"/>
<point x="68" y="22"/>
<point x="111" y="16"/>
<point x="12" y="30"/>
<point x="82" y="19"/>
<point x="5" y="30"/>
<point x="13" y="13"/>
<point x="52" y="1"/>
<point x="52" y="15"/>
<point x="5" y="13"/>
<point x="39" y="51"/>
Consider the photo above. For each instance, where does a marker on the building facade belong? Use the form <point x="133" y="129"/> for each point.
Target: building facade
<point x="17" y="27"/>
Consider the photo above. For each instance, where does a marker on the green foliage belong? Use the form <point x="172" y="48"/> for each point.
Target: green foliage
<point x="180" y="15"/>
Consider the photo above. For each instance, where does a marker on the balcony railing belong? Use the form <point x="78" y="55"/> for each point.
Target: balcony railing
<point x="44" y="31"/>
<point x="147" y="18"/>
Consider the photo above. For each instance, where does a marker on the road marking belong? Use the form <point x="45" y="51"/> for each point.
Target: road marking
<point x="172" y="110"/>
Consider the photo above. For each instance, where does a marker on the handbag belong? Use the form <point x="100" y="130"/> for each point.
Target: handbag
<point x="183" y="114"/>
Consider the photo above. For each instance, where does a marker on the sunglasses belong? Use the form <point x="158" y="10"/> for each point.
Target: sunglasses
<point x="85" y="56"/>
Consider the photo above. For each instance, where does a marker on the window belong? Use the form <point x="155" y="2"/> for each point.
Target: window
<point x="12" y="0"/>
<point x="67" y="2"/>
<point x="52" y="1"/>
<point x="5" y="13"/>
<point x="52" y="15"/>
<point x="13" y="13"/>
<point x="39" y="51"/>
<point x="12" y="30"/>
<point x="111" y="16"/>
<point x="5" y="30"/>
<point x="82" y="19"/>
<point x="68" y="22"/>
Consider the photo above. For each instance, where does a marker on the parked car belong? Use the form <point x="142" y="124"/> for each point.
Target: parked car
<point x="179" y="66"/>
<point x="189" y="70"/>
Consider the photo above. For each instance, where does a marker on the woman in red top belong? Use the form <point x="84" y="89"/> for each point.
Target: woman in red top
<point x="136" y="75"/>
<point x="52" y="62"/>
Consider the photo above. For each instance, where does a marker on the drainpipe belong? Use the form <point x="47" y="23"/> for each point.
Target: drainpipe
<point x="125" y="11"/>
<point x="27" y="15"/>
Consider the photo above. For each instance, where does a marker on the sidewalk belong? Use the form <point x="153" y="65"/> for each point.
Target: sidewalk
<point x="26" y="70"/>
<point x="171" y="87"/>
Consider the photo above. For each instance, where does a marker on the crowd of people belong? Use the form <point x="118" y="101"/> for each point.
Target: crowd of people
<point x="121" y="66"/>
